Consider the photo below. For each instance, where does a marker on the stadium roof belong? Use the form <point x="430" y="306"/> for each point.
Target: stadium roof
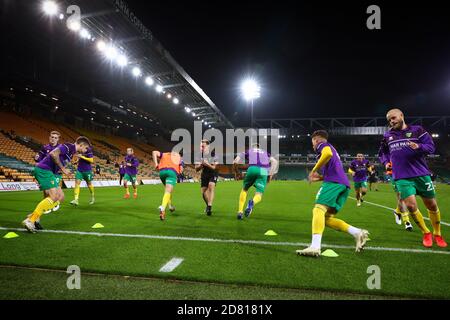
<point x="111" y="21"/>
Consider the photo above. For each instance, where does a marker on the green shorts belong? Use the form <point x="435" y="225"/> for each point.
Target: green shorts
<point x="359" y="185"/>
<point x="256" y="176"/>
<point x="130" y="178"/>
<point x="332" y="195"/>
<point x="422" y="186"/>
<point x="168" y="177"/>
<point x="58" y="178"/>
<point x="86" y="176"/>
<point x="46" y="179"/>
<point x="394" y="186"/>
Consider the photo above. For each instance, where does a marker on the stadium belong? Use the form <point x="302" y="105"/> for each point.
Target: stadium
<point x="94" y="75"/>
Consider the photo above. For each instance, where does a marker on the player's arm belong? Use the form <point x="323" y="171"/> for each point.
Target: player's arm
<point x="425" y="144"/>
<point x="40" y="154"/>
<point x="55" y="157"/>
<point x="90" y="160"/>
<point x="236" y="162"/>
<point x="351" y="171"/>
<point x="273" y="168"/>
<point x="383" y="153"/>
<point x="325" y="156"/>
<point x="156" y="155"/>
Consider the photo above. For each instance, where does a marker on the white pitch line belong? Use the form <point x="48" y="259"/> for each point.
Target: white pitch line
<point x="392" y="209"/>
<point x="271" y="243"/>
<point x="171" y="265"/>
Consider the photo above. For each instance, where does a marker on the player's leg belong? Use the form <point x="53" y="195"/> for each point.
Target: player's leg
<point x="408" y="195"/>
<point x="403" y="212"/>
<point x="169" y="179"/>
<point x="358" y="194"/>
<point x="135" y="188"/>
<point x="360" y="235"/>
<point x="46" y="204"/>
<point x="425" y="189"/>
<point x="210" y="196"/>
<point x="126" y="178"/>
<point x="363" y="190"/>
<point x="76" y="191"/>
<point x="260" y="185"/>
<point x="249" y="180"/>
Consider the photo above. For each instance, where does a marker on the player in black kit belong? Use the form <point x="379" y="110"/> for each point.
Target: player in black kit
<point x="208" y="164"/>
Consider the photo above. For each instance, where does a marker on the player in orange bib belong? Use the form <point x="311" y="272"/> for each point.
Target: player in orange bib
<point x="170" y="166"/>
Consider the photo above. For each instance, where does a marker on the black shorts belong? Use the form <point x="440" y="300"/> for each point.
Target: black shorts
<point x="373" y="179"/>
<point x="206" y="179"/>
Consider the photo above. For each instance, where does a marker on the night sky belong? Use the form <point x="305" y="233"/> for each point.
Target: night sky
<point x="313" y="59"/>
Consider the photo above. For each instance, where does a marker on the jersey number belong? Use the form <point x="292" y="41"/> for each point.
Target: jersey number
<point x="430" y="186"/>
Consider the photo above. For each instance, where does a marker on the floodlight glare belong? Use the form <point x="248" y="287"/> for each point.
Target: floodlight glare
<point x="85" y="34"/>
<point x="159" y="88"/>
<point x="50" y="8"/>
<point x="176" y="101"/>
<point x="101" y="45"/>
<point x="250" y="90"/>
<point x="136" y="72"/>
<point x="122" y="60"/>
<point x="61" y="16"/>
<point x="169" y="96"/>
<point x="75" y="26"/>
<point x="149" y="81"/>
<point x="111" y="52"/>
<point x="187" y="109"/>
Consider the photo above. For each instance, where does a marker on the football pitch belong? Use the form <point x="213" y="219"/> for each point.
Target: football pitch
<point x="193" y="256"/>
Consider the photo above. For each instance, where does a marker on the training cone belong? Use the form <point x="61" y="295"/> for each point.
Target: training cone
<point x="270" y="233"/>
<point x="11" y="235"/>
<point x="329" y="253"/>
<point x="97" y="226"/>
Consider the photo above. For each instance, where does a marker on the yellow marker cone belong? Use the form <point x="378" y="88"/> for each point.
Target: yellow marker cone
<point x="11" y="235"/>
<point x="97" y="226"/>
<point x="270" y="233"/>
<point x="329" y="253"/>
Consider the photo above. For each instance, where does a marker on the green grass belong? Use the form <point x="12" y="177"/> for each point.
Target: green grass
<point x="274" y="270"/>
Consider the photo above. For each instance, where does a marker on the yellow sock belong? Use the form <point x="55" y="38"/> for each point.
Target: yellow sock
<point x="405" y="217"/>
<point x="91" y="189"/>
<point x="398" y="210"/>
<point x="337" y="224"/>
<point x="242" y="198"/>
<point x="126" y="190"/>
<point x="165" y="200"/>
<point x="76" y="192"/>
<point x="135" y="190"/>
<point x="170" y="201"/>
<point x="257" y="199"/>
<point x="44" y="205"/>
<point x="418" y="219"/>
<point x="318" y="221"/>
<point x="435" y="218"/>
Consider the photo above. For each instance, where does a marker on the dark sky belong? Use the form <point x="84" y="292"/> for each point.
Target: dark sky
<point x="313" y="58"/>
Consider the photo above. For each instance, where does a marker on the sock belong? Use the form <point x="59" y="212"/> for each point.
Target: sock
<point x="76" y="192"/>
<point x="405" y="217"/>
<point x="316" y="241"/>
<point x="257" y="199"/>
<point x="44" y="205"/>
<point x="318" y="220"/>
<point x="352" y="230"/>
<point x="91" y="189"/>
<point x="337" y="224"/>
<point x="398" y="210"/>
<point x="165" y="200"/>
<point x="135" y="189"/>
<point x="242" y="198"/>
<point x="170" y="202"/>
<point x="418" y="219"/>
<point x="126" y="190"/>
<point x="435" y="218"/>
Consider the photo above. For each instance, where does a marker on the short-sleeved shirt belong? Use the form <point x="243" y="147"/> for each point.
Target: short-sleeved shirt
<point x="212" y="159"/>
<point x="131" y="170"/>
<point x="67" y="151"/>
<point x="361" y="170"/>
<point x="83" y="165"/>
<point x="170" y="161"/>
<point x="256" y="157"/>
<point x="333" y="170"/>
